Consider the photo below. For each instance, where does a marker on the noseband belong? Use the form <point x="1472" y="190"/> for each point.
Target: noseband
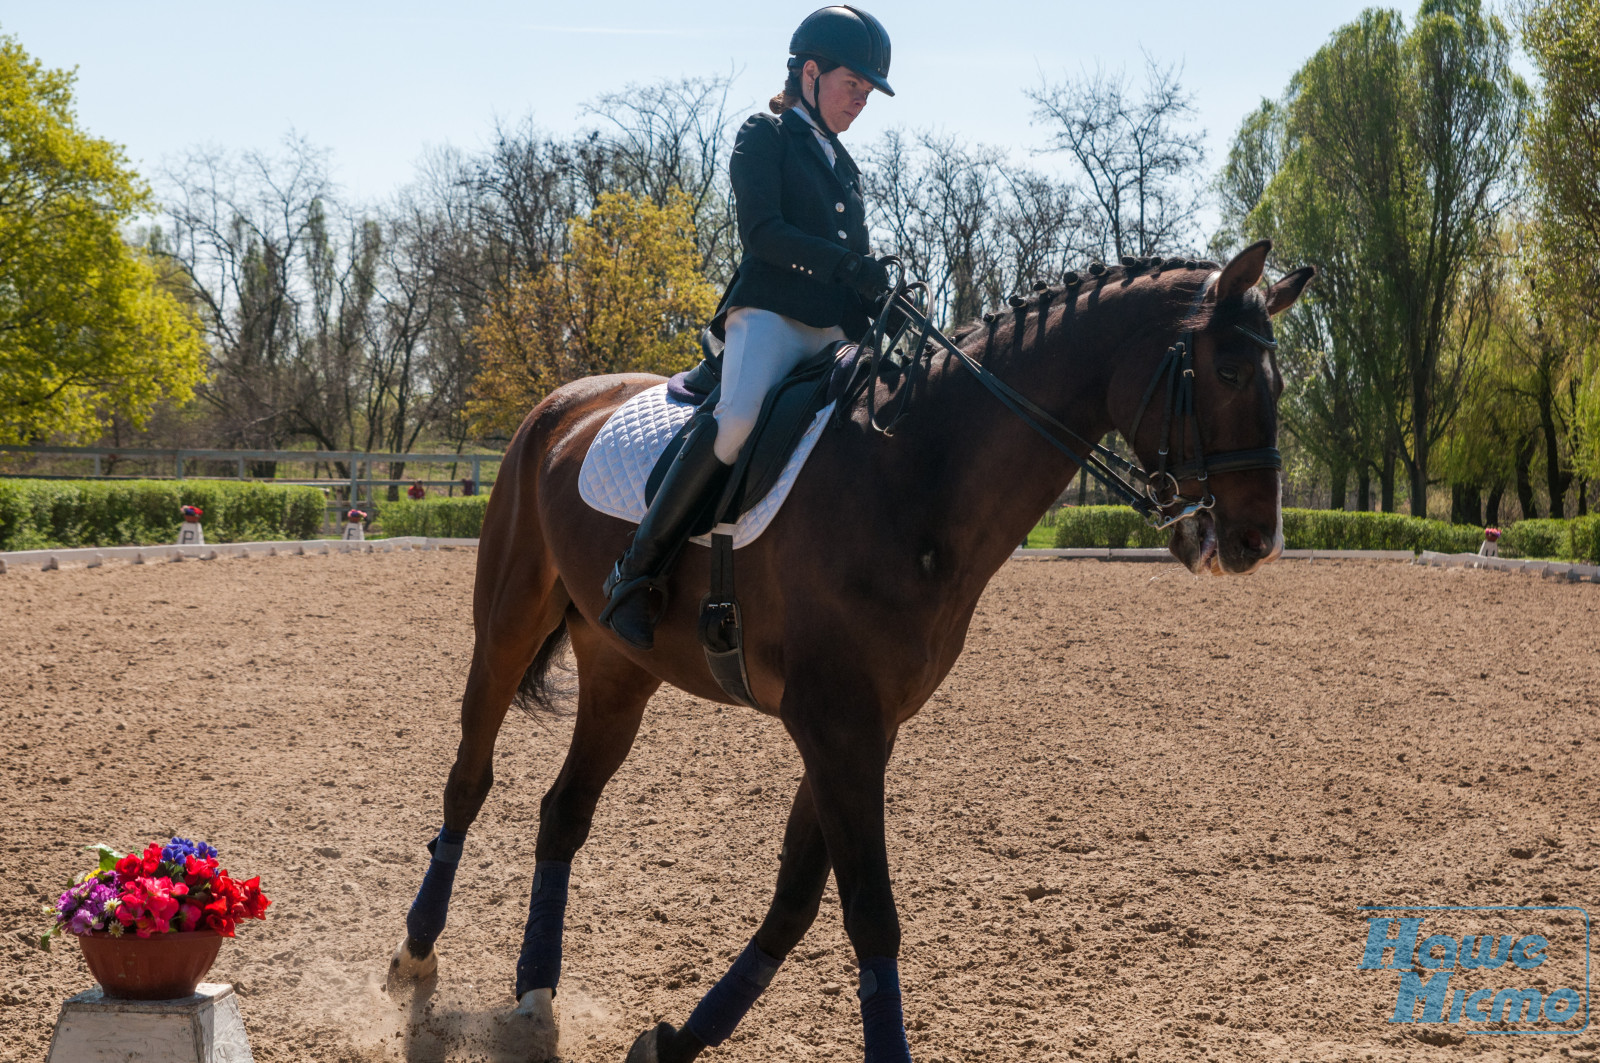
<point x="1150" y="494"/>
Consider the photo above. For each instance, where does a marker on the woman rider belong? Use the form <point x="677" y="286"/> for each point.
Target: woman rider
<point x="806" y="278"/>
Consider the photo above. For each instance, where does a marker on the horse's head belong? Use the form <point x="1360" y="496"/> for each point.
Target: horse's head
<point x="1231" y="482"/>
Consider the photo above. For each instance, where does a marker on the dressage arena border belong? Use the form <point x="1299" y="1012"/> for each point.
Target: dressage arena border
<point x="94" y="557"/>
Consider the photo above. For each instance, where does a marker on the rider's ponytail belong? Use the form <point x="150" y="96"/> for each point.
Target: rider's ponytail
<point x="790" y="96"/>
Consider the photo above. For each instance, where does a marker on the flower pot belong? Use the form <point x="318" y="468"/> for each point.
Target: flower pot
<point x="159" y="967"/>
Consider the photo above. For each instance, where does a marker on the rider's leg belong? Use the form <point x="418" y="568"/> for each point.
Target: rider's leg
<point x="693" y="474"/>
<point x="775" y="345"/>
<point x="762" y="348"/>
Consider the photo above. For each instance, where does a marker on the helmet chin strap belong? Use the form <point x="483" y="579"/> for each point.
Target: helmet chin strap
<point x="815" y="109"/>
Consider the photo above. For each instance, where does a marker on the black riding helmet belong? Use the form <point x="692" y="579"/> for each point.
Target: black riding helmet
<point x="847" y="36"/>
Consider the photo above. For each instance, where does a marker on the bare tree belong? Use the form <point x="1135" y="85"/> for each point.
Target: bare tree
<point x="239" y="232"/>
<point x="1140" y="168"/>
<point x="676" y="136"/>
<point x="966" y="221"/>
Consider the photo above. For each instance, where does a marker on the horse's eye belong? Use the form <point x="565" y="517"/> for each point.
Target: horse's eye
<point x="1228" y="373"/>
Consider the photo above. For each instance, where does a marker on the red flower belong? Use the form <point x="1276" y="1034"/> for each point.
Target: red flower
<point x="148" y="904"/>
<point x="199" y="870"/>
<point x="253" y="900"/>
<point x="217" y="917"/>
<point x="152" y="858"/>
<point x="130" y="866"/>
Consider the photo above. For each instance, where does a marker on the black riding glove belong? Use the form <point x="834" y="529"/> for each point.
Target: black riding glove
<point x="863" y="273"/>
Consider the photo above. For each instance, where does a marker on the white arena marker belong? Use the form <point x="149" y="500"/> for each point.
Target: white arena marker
<point x="203" y="1028"/>
<point x="191" y="534"/>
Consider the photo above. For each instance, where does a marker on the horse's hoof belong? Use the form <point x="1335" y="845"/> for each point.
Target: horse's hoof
<point x="530" y="1030"/>
<point x="647" y="1046"/>
<point x="406" y="969"/>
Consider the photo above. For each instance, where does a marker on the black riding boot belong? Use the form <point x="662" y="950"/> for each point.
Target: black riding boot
<point x="681" y="497"/>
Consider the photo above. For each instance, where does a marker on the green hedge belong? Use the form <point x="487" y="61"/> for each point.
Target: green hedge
<point x="1100" y="526"/>
<point x="438" y="518"/>
<point x="1339" y="529"/>
<point x="1585" y="539"/>
<point x="36" y="514"/>
<point x="1562" y="540"/>
<point x="1328" y="529"/>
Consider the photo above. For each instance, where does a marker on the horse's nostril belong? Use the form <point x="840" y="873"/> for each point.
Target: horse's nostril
<point x="1253" y="540"/>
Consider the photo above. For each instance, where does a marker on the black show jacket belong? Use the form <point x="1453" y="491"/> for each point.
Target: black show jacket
<point x="798" y="217"/>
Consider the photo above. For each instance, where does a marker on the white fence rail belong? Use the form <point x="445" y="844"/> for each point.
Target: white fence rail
<point x="93" y="557"/>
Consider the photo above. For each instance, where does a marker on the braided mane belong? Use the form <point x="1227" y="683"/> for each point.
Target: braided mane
<point x="1096" y="276"/>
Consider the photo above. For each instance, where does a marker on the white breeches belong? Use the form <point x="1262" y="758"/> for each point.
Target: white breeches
<point x="761" y="348"/>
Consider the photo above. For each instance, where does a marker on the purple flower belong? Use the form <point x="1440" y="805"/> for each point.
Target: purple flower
<point x="82" y="908"/>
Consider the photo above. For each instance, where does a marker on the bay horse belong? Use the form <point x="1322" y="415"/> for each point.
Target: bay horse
<point x="856" y="599"/>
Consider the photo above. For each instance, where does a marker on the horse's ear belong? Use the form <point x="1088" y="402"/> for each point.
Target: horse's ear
<point x="1281" y="296"/>
<point x="1244" y="271"/>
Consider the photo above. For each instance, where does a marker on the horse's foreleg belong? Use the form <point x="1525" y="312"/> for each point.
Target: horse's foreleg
<point x="612" y="692"/>
<point x="802" y="876"/>
<point x="845" y="742"/>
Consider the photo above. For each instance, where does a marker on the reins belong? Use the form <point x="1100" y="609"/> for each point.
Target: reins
<point x="1149" y="494"/>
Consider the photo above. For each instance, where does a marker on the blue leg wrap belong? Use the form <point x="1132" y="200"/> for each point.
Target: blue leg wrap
<point x="720" y="1010"/>
<point x="425" y="921"/>
<point x="539" y="966"/>
<point x="883" y="1022"/>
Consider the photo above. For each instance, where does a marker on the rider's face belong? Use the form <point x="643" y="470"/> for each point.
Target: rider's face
<point x="840" y="94"/>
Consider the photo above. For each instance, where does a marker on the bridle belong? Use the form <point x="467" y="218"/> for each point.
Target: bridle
<point x="1150" y="494"/>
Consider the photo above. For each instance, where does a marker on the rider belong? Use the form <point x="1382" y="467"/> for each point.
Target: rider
<point x="806" y="278"/>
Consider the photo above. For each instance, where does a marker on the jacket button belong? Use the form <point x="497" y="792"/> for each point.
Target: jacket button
<point x="842" y="235"/>
<point x="839" y="207"/>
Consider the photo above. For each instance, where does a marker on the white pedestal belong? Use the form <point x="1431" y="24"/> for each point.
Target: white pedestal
<point x="355" y="532"/>
<point x="203" y="1028"/>
<point x="191" y="534"/>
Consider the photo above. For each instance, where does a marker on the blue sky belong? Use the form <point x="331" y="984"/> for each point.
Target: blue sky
<point x="377" y="82"/>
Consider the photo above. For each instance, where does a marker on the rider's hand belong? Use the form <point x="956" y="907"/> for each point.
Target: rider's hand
<point x="865" y="274"/>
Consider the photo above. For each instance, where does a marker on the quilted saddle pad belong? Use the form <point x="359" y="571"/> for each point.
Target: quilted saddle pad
<point x="633" y="438"/>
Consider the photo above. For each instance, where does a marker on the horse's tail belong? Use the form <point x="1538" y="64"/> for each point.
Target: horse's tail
<point x="537" y="693"/>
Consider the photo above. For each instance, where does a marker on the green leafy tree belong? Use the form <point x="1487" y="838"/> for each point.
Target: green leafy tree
<point x="1398" y="146"/>
<point x="89" y="327"/>
<point x="1563" y="39"/>
<point x="628" y="297"/>
<point x="1330" y="408"/>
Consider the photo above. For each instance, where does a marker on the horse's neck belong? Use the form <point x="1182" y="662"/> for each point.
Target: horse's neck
<point x="998" y="475"/>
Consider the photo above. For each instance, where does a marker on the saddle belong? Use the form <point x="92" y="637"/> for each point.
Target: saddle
<point x="786" y="414"/>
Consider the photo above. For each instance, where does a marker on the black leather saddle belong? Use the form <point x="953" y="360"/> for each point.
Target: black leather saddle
<point x="787" y="413"/>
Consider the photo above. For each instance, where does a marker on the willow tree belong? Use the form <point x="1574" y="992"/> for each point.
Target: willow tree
<point x="1563" y="38"/>
<point x="1398" y="148"/>
<point x="1330" y="407"/>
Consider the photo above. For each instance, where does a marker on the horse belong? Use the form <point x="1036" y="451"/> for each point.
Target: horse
<point x="857" y="598"/>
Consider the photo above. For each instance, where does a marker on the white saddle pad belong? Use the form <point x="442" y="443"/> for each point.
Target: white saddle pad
<point x="633" y="438"/>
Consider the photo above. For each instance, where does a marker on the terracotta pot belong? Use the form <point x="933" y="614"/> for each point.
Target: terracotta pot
<point x="159" y="967"/>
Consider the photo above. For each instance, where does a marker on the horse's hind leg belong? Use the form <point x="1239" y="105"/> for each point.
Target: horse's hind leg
<point x="519" y="622"/>
<point x="612" y="692"/>
<point x="802" y="876"/>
